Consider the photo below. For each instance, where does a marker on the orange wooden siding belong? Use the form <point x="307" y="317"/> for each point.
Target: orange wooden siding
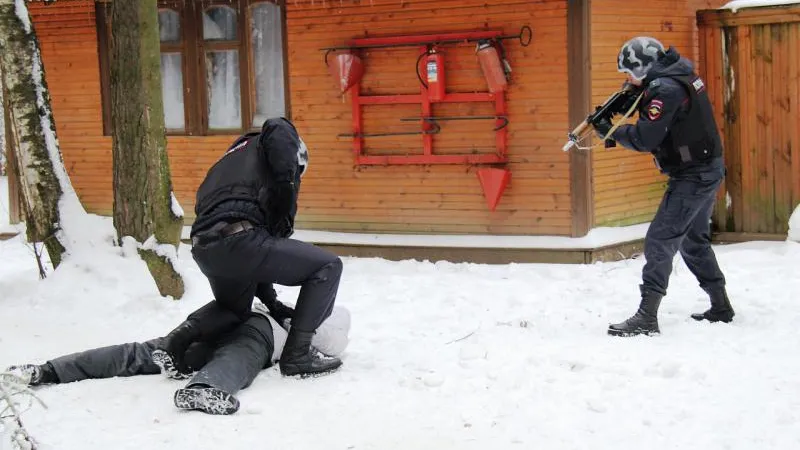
<point x="335" y="195"/>
<point x="753" y="62"/>
<point x="627" y="186"/>
<point x="431" y="199"/>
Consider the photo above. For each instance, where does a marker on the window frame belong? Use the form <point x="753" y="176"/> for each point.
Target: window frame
<point x="182" y="48"/>
<point x="193" y="47"/>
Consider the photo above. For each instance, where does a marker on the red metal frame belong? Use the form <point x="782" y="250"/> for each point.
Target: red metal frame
<point x="427" y="156"/>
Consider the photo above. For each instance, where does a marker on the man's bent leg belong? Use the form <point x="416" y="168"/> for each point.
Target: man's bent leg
<point x="233" y="366"/>
<point x="317" y="271"/>
<point x="295" y="263"/>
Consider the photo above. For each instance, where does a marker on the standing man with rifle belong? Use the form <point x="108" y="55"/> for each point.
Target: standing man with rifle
<point x="676" y="124"/>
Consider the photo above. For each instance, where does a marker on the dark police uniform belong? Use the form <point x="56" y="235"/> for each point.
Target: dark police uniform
<point x="245" y="211"/>
<point x="676" y="124"/>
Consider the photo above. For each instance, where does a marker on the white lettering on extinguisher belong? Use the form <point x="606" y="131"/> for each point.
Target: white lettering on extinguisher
<point x="433" y="72"/>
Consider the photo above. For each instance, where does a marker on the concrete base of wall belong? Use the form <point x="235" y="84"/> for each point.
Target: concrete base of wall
<point x="491" y="255"/>
<point x="616" y="252"/>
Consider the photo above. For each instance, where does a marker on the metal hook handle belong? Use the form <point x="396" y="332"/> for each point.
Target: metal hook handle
<point x="523" y="41"/>
<point x="503" y="125"/>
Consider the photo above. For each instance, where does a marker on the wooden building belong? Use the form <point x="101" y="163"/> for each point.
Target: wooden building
<point x="229" y="63"/>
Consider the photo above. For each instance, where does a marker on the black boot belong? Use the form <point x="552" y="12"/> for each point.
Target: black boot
<point x="299" y="358"/>
<point x="645" y="321"/>
<point x="210" y="400"/>
<point x="35" y="375"/>
<point x="721" y="309"/>
<point x="169" y="355"/>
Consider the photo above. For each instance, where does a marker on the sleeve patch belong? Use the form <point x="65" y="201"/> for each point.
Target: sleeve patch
<point x="654" y="109"/>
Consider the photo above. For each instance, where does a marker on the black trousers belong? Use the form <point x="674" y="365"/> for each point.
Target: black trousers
<point x="238" y="266"/>
<point x="682" y="224"/>
<point x="230" y="364"/>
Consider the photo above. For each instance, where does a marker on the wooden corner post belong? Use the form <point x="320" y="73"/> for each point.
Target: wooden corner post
<point x="579" y="97"/>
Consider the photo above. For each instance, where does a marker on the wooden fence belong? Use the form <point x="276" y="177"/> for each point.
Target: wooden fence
<point x="750" y="64"/>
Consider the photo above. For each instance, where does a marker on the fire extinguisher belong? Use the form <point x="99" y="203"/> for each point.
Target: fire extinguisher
<point x="434" y="74"/>
<point x="494" y="70"/>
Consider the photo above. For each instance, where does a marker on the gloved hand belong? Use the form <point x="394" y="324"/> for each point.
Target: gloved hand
<point x="280" y="312"/>
<point x="269" y="298"/>
<point x="602" y="127"/>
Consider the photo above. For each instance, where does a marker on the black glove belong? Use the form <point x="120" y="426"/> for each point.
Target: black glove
<point x="279" y="311"/>
<point x="602" y="126"/>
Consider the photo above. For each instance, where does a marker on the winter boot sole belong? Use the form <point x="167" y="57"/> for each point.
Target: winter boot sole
<point x="291" y="370"/>
<point x="208" y="400"/>
<point x="629" y="333"/>
<point x="713" y="318"/>
<point x="167" y="364"/>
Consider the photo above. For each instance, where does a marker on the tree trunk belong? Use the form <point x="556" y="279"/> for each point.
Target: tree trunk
<point x="145" y="207"/>
<point x="31" y="132"/>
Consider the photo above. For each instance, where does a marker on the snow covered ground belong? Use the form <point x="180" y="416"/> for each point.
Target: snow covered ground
<point x="442" y="356"/>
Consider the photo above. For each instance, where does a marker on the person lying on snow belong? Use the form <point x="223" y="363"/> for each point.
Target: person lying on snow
<point x="222" y="367"/>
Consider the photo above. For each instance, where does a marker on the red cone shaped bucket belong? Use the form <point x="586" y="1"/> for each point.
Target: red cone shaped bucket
<point x="347" y="69"/>
<point x="493" y="182"/>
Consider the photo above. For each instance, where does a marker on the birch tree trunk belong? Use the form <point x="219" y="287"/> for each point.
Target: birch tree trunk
<point x="31" y="130"/>
<point x="145" y="207"/>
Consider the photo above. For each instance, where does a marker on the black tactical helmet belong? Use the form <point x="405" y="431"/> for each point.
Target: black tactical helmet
<point x="636" y="57"/>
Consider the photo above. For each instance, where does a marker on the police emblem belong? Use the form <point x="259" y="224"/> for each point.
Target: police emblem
<point x="654" y="109"/>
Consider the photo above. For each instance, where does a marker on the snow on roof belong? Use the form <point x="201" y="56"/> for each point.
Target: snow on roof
<point x="738" y="4"/>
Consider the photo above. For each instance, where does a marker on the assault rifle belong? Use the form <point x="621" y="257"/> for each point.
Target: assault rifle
<point x="623" y="101"/>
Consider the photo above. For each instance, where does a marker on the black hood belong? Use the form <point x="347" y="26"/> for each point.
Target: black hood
<point x="669" y="65"/>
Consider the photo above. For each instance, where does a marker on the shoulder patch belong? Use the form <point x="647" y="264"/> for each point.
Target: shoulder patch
<point x="654" y="109"/>
<point x="698" y="85"/>
<point x="655" y="83"/>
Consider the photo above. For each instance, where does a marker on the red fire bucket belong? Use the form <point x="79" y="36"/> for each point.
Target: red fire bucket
<point x="347" y="69"/>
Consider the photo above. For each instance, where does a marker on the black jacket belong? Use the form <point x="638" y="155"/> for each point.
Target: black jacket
<point x="676" y="123"/>
<point x="257" y="179"/>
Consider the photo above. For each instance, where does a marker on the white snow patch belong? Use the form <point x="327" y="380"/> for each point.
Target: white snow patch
<point x="177" y="211"/>
<point x="165" y="250"/>
<point x="794" y="225"/>
<point x="22" y="13"/>
<point x="597" y="237"/>
<point x="739" y="4"/>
